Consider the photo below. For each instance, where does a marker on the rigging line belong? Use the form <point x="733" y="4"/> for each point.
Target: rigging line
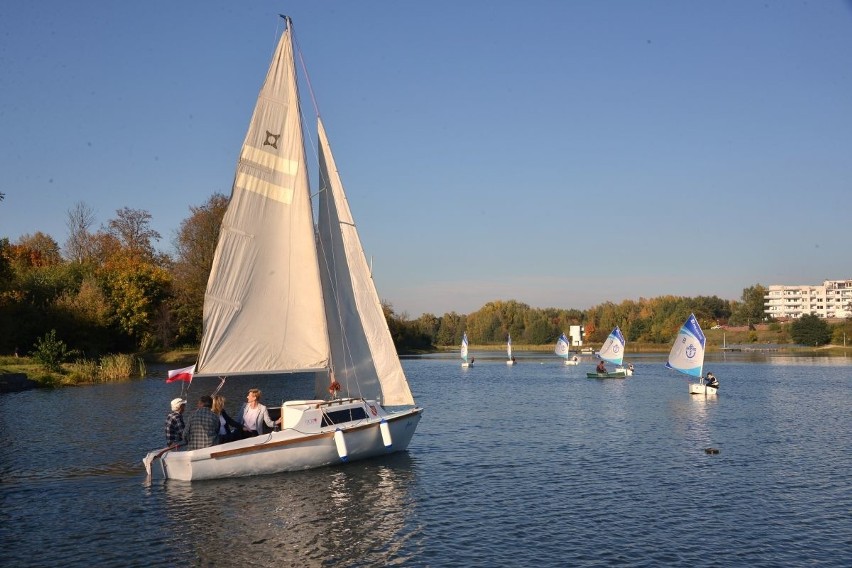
<point x="298" y="50"/>
<point x="307" y="132"/>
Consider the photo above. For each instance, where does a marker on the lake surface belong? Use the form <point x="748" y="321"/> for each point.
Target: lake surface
<point x="511" y="466"/>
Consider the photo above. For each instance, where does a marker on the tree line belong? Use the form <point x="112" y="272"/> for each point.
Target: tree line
<point x="108" y="290"/>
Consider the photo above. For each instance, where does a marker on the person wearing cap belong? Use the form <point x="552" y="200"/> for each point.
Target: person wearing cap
<point x="174" y="423"/>
<point x="202" y="430"/>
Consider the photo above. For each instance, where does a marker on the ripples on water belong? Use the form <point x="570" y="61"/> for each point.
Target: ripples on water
<point x="511" y="466"/>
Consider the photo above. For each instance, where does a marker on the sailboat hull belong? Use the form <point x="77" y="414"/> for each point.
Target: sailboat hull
<point x="696" y="388"/>
<point x="296" y="448"/>
<point x="612" y="375"/>
<point x="572" y="362"/>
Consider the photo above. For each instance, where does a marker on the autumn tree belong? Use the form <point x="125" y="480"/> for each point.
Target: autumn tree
<point x="195" y="245"/>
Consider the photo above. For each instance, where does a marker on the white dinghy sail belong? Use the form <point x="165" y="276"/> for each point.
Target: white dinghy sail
<point x="687" y="355"/>
<point x="288" y="296"/>
<point x="563" y="349"/>
<point x="463" y="352"/>
<point x="612" y="351"/>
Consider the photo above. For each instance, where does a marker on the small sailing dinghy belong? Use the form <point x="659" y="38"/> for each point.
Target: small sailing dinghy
<point x="613" y="352"/>
<point x="687" y="356"/>
<point x="465" y="362"/>
<point x="563" y="349"/>
<point x="290" y="294"/>
<point x="511" y="359"/>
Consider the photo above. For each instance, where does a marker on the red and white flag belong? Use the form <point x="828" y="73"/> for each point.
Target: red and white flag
<point x="181" y="375"/>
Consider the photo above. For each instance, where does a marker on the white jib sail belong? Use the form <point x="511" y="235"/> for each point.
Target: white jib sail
<point x="364" y="358"/>
<point x="263" y="308"/>
<point x="509" y="347"/>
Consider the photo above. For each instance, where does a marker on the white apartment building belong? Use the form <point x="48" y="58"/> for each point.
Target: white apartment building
<point x="831" y="300"/>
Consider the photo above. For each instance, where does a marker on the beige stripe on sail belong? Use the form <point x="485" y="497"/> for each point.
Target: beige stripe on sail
<point x="267" y="189"/>
<point x="269" y="161"/>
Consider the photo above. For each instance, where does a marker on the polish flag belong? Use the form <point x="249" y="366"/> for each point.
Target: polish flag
<point x="181" y="375"/>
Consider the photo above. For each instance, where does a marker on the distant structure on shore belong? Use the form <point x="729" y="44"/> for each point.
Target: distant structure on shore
<point x="831" y="300"/>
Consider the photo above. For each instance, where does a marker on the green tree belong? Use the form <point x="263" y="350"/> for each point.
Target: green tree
<point x="810" y="330"/>
<point x="752" y="309"/>
<point x="450" y="329"/>
<point x="51" y="352"/>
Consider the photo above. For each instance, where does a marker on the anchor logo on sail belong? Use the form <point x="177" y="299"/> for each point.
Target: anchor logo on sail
<point x="690" y="351"/>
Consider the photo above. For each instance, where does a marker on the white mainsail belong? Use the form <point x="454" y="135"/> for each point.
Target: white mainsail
<point x="263" y="308"/>
<point x="364" y="358"/>
<point x="612" y="350"/>
<point x="509" y="347"/>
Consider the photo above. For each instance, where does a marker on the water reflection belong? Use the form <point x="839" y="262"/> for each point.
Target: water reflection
<point x="358" y="511"/>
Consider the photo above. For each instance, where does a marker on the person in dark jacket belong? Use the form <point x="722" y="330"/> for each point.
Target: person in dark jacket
<point x="202" y="430"/>
<point x="712" y="381"/>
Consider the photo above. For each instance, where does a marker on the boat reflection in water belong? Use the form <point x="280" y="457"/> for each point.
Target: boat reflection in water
<point x="358" y="511"/>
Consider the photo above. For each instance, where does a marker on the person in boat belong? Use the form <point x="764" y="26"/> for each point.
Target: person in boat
<point x="175" y="424"/>
<point x="253" y="415"/>
<point x="227" y="425"/>
<point x="202" y="431"/>
<point x="575" y="358"/>
<point x="601" y="368"/>
<point x="513" y="358"/>
<point x="630" y="367"/>
<point x="712" y="381"/>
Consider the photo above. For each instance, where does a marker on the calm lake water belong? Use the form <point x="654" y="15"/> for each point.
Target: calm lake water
<point x="511" y="466"/>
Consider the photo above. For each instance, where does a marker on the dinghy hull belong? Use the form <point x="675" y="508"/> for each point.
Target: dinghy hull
<point x="615" y="375"/>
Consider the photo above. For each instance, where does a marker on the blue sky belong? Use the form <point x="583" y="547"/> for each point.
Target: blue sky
<point x="560" y="153"/>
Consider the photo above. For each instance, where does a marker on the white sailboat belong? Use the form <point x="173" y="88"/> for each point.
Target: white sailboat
<point x="563" y="349"/>
<point x="465" y="362"/>
<point x="612" y="351"/>
<point x="290" y="295"/>
<point x="687" y="355"/>
<point x="511" y="359"/>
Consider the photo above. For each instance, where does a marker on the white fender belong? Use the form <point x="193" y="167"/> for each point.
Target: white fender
<point x="341" y="445"/>
<point x="384" y="427"/>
